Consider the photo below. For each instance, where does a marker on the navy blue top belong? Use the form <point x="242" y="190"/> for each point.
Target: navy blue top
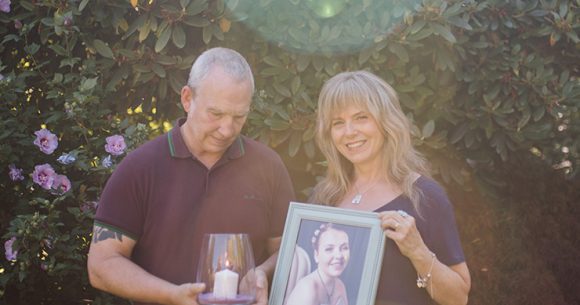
<point x="398" y="280"/>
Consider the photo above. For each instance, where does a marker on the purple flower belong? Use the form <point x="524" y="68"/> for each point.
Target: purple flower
<point x="46" y="140"/>
<point x="17" y="24"/>
<point x="5" y="6"/>
<point x="10" y="253"/>
<point x="15" y="173"/>
<point x="61" y="184"/>
<point x="44" y="176"/>
<point x="44" y="266"/>
<point x="115" y="145"/>
<point x="107" y="162"/>
<point x="66" y="159"/>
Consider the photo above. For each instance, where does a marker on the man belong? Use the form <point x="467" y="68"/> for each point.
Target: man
<point x="201" y="177"/>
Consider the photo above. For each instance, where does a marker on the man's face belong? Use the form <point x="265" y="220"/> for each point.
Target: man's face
<point x="216" y="113"/>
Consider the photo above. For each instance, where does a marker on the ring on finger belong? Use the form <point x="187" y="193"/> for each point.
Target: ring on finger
<point x="403" y="213"/>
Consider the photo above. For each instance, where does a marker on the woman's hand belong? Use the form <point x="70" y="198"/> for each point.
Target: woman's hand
<point x="401" y="228"/>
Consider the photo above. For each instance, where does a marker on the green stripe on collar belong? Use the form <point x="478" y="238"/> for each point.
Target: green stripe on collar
<point x="242" y="149"/>
<point x="170" y="140"/>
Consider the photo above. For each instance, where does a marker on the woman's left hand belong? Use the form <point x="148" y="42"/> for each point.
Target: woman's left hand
<point x="401" y="228"/>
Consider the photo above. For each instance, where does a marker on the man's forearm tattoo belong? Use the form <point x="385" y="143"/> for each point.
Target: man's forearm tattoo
<point x="101" y="233"/>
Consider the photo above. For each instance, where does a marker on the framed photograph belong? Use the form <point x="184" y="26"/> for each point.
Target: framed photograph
<point x="328" y="255"/>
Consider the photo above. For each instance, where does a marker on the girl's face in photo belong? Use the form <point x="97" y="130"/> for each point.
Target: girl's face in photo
<point x="333" y="252"/>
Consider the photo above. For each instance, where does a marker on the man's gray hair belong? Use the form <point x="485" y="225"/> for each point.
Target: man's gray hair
<point x="232" y="62"/>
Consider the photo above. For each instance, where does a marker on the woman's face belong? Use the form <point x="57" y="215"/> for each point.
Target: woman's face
<point x="333" y="252"/>
<point x="357" y="136"/>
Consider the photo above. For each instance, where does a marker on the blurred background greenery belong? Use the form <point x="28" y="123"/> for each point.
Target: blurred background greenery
<point x="491" y="87"/>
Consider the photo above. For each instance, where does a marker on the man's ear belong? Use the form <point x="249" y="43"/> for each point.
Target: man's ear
<point x="186" y="97"/>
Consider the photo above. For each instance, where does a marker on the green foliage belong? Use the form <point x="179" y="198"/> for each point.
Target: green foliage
<point x="484" y="83"/>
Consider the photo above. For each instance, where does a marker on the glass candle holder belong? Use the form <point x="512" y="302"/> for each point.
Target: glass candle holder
<point x="226" y="265"/>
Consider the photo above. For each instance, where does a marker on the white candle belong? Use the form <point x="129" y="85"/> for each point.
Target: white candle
<point x="225" y="285"/>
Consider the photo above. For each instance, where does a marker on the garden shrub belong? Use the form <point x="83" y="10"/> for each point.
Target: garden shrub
<point x="484" y="83"/>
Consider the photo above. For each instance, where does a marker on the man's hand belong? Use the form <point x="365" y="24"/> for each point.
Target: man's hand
<point x="186" y="294"/>
<point x="261" y="287"/>
<point x="256" y="281"/>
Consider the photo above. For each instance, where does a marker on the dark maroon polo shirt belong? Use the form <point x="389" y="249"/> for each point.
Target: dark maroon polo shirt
<point x="164" y="198"/>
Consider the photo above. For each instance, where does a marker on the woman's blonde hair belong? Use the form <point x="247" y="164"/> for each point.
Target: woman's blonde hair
<point x="400" y="161"/>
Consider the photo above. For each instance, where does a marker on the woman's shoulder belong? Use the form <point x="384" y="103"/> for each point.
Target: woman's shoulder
<point x="428" y="185"/>
<point x="431" y="190"/>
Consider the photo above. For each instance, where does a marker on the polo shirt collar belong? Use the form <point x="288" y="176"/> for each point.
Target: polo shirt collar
<point x="178" y="148"/>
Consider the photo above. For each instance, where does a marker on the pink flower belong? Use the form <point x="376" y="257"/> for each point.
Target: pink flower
<point x="15" y="173"/>
<point x="44" y="176"/>
<point x="45" y="140"/>
<point x="5" y="6"/>
<point x="61" y="184"/>
<point x="115" y="145"/>
<point x="10" y="253"/>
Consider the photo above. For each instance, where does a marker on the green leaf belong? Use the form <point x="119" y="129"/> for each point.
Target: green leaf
<point x="196" y="21"/>
<point x="138" y="23"/>
<point x="277" y="124"/>
<point x="196" y="7"/>
<point x="207" y="33"/>
<point x="273" y="61"/>
<point x="295" y="143"/>
<point x="83" y="4"/>
<point x="163" y="39"/>
<point x="295" y="85"/>
<point x="178" y="37"/>
<point x="158" y="69"/>
<point x="144" y="30"/>
<point x="443" y="31"/>
<point x="102" y="48"/>
<point x="282" y="90"/>
<point x="309" y="133"/>
<point x="458" y="133"/>
<point x="88" y="84"/>
<point x="400" y="51"/>
<point x="460" y="22"/>
<point x="422" y="34"/>
<point x="539" y="113"/>
<point x="428" y="129"/>
<point x="417" y="26"/>
<point x="526" y="115"/>
<point x="58" y="49"/>
<point x="302" y="62"/>
<point x="32" y="48"/>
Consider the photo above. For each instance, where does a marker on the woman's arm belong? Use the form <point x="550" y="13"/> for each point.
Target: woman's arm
<point x="447" y="285"/>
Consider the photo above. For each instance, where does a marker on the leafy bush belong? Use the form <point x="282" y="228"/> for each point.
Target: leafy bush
<point x="484" y="82"/>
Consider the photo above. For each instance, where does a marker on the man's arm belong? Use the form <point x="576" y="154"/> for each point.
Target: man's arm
<point x="110" y="269"/>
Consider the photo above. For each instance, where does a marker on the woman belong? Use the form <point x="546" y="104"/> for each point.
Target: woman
<point x="373" y="166"/>
<point x="323" y="286"/>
